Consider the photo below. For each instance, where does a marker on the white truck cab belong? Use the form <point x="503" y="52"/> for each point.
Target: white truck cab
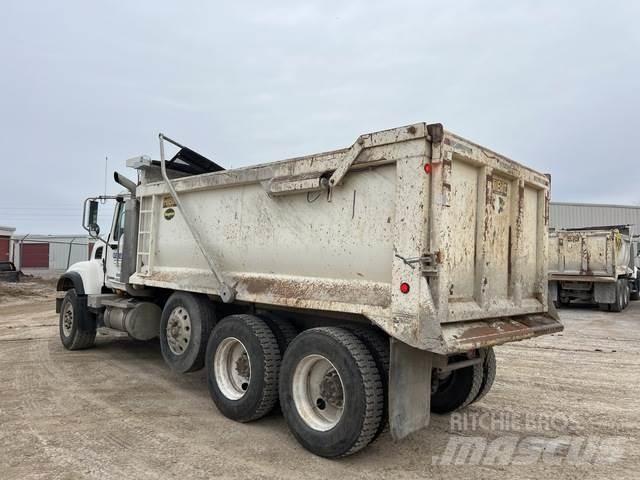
<point x="91" y="272"/>
<point x="103" y="268"/>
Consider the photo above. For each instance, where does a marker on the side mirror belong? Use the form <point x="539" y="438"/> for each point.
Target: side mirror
<point x="94" y="228"/>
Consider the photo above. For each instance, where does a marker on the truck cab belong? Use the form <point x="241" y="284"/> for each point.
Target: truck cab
<point x="103" y="268"/>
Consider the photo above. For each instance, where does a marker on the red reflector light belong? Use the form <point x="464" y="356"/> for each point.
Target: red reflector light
<point x="404" y="287"/>
<point x="427" y="168"/>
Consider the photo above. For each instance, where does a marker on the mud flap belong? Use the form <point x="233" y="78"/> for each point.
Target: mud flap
<point x="409" y="389"/>
<point x="605" y="292"/>
<point x="553" y="312"/>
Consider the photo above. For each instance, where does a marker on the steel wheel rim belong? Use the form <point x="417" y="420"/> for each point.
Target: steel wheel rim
<point x="178" y="330"/>
<point x="318" y="392"/>
<point x="67" y="319"/>
<point x="232" y="368"/>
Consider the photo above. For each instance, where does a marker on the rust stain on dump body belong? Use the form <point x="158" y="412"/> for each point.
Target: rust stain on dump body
<point x="302" y="289"/>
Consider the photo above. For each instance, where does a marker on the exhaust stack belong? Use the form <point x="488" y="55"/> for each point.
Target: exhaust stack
<point x="125" y="182"/>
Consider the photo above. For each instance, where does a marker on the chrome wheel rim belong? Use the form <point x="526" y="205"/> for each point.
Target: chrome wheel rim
<point x="178" y="330"/>
<point x="67" y="319"/>
<point x="318" y="392"/>
<point x="232" y="368"/>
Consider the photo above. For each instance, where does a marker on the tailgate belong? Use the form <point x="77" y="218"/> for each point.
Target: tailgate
<point x="585" y="252"/>
<point x="490" y="220"/>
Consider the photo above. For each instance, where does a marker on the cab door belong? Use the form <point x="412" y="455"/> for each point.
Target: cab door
<point x="115" y="247"/>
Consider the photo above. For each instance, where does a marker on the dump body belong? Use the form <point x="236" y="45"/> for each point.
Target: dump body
<point x="600" y="255"/>
<point x="464" y="228"/>
<point x="595" y="265"/>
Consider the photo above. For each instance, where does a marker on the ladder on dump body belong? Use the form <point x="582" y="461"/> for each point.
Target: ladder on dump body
<point x="145" y="236"/>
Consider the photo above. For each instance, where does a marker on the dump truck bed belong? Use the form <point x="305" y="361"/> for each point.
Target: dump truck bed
<point x="589" y="255"/>
<point x="437" y="240"/>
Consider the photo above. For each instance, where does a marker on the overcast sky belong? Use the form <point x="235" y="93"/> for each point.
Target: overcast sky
<point x="554" y="85"/>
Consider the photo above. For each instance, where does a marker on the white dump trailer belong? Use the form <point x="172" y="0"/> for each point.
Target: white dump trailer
<point x="359" y="287"/>
<point x="594" y="265"/>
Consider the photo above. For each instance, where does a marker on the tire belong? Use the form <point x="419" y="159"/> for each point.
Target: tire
<point x="77" y="325"/>
<point x="618" y="305"/>
<point x="322" y="421"/>
<point x="634" y="296"/>
<point x="488" y="374"/>
<point x="378" y="345"/>
<point x="246" y="388"/>
<point x="627" y="294"/>
<point x="183" y="341"/>
<point x="284" y="330"/>
<point x="562" y="302"/>
<point x="458" y="389"/>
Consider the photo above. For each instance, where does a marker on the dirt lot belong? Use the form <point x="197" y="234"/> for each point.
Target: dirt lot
<point x="116" y="411"/>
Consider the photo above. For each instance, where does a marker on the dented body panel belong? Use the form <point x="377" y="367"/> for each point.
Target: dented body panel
<point x="340" y="231"/>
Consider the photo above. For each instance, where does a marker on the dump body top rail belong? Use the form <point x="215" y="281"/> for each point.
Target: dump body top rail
<point x="462" y="226"/>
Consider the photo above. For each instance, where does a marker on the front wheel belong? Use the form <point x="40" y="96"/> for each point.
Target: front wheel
<point x="331" y="392"/>
<point x="77" y="324"/>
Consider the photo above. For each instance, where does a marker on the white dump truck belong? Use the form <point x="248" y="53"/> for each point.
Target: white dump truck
<point x="358" y="288"/>
<point x="597" y="265"/>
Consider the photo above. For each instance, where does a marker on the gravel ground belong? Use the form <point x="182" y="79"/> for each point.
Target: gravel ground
<point x="116" y="411"/>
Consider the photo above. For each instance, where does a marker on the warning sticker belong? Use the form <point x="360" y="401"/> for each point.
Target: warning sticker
<point x="168" y="201"/>
<point x="500" y="187"/>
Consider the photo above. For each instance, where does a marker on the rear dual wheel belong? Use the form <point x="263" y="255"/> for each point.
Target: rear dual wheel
<point x="489" y="368"/>
<point x="635" y="295"/>
<point x="627" y="293"/>
<point x="622" y="296"/>
<point x="331" y="392"/>
<point x="378" y="345"/>
<point x="461" y="387"/>
<point x="243" y="363"/>
<point x="328" y="383"/>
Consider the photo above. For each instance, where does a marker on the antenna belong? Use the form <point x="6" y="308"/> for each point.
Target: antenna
<point x="106" y="161"/>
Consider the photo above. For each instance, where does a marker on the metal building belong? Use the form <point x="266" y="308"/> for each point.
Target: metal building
<point x="49" y="255"/>
<point x="577" y="215"/>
